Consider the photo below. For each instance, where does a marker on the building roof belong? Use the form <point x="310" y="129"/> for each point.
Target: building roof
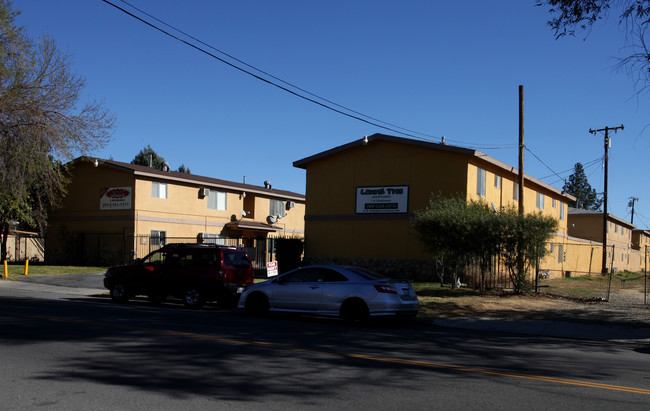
<point x="185" y="178"/>
<point x="580" y="212"/>
<point x="429" y="145"/>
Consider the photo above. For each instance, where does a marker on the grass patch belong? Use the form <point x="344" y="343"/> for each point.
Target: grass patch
<point x="18" y="270"/>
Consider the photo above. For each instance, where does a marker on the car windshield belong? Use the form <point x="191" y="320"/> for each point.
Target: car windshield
<point x="366" y="274"/>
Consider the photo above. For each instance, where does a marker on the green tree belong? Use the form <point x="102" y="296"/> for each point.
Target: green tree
<point x="579" y="187"/>
<point x="183" y="169"/>
<point x="523" y="242"/>
<point x="42" y="122"/>
<point x="569" y="16"/>
<point x="459" y="232"/>
<point x="146" y="156"/>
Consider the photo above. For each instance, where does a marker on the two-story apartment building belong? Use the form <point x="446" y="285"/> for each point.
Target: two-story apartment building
<point x="114" y="212"/>
<point x="363" y="194"/>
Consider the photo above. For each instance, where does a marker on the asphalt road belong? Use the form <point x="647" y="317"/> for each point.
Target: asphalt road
<point x="66" y="351"/>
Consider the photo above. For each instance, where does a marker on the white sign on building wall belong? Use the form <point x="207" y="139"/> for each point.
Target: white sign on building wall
<point x="115" y="198"/>
<point x="382" y="200"/>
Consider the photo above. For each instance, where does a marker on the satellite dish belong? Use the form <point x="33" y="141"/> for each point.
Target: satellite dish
<point x="271" y="219"/>
<point x="243" y="213"/>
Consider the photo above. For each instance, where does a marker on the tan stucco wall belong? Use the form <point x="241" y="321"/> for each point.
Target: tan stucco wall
<point x="504" y="196"/>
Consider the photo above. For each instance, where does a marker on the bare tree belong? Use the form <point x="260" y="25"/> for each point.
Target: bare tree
<point x="42" y="124"/>
<point x="571" y="16"/>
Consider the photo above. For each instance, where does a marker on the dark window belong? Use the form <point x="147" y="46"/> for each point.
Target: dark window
<point x="179" y="258"/>
<point x="235" y="259"/>
<point x="209" y="258"/>
<point x="327" y="275"/>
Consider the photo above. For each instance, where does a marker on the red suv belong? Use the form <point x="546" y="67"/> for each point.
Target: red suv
<point x="194" y="272"/>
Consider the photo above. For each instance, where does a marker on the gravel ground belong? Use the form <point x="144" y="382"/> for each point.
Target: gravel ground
<point x="624" y="308"/>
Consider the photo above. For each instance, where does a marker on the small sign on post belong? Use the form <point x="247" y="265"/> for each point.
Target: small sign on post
<point x="271" y="268"/>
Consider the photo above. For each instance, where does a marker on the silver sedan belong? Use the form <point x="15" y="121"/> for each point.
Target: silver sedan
<point x="349" y="292"/>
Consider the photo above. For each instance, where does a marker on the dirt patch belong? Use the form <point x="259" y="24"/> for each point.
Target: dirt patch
<point x="533" y="306"/>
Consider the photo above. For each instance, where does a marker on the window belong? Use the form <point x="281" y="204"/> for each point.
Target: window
<point x="515" y="191"/>
<point x="158" y="190"/>
<point x="276" y="208"/>
<point x="176" y="259"/>
<point x="540" y="201"/>
<point x="553" y="203"/>
<point x="216" y="200"/>
<point x="497" y="181"/>
<point x="561" y="211"/>
<point x="213" y="238"/>
<point x="480" y="182"/>
<point x="158" y="238"/>
<point x="560" y="253"/>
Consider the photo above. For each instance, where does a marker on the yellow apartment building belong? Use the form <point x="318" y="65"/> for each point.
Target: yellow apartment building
<point x="114" y="212"/>
<point x="363" y="194"/>
<point x="640" y="239"/>
<point x="588" y="225"/>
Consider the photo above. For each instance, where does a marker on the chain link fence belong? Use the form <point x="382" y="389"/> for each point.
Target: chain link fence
<point x="576" y="271"/>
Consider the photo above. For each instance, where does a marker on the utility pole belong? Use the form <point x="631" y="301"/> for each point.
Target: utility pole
<point x="607" y="145"/>
<point x="521" y="149"/>
<point x="631" y="204"/>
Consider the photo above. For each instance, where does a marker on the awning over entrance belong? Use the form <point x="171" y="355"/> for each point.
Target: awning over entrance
<point x="250" y="225"/>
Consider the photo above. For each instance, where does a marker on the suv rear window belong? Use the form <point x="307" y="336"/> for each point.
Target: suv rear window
<point x="235" y="259"/>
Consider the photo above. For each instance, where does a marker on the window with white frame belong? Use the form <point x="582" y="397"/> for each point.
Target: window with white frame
<point x="158" y="190"/>
<point x="553" y="203"/>
<point x="216" y="200"/>
<point x="276" y="208"/>
<point x="560" y="253"/>
<point x="540" y="201"/>
<point x="497" y="181"/>
<point x="515" y="191"/>
<point x="480" y="182"/>
<point x="561" y="211"/>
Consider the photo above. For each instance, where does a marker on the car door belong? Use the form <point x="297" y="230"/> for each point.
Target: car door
<point x="299" y="290"/>
<point x="177" y="272"/>
<point x="146" y="277"/>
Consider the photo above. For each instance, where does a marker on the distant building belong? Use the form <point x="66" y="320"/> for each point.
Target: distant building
<point x="114" y="212"/>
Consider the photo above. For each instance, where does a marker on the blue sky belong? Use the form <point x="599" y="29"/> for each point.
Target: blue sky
<point x="440" y="68"/>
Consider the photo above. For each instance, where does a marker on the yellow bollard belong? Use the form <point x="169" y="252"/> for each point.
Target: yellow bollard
<point x="6" y="273"/>
<point x="26" y="266"/>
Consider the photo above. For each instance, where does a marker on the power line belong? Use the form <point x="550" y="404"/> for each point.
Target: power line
<point x="584" y="165"/>
<point x="540" y="160"/>
<point x="271" y="75"/>
<point x="312" y="100"/>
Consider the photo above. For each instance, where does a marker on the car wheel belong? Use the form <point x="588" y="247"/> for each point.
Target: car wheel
<point x="354" y="310"/>
<point x="119" y="292"/>
<point x="193" y="298"/>
<point x="257" y="304"/>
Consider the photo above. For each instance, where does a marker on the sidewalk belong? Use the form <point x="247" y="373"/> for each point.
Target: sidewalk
<point x="547" y="328"/>
<point x="47" y="288"/>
